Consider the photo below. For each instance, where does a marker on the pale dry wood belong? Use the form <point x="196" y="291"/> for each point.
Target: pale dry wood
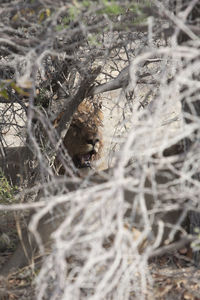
<point x="50" y="222"/>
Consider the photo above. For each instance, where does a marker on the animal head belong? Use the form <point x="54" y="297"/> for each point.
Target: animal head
<point x="83" y="140"/>
<point x="84" y="145"/>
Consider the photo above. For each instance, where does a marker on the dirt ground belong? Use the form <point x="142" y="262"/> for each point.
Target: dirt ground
<point x="174" y="278"/>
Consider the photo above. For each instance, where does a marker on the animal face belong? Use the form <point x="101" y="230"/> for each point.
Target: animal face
<point x="83" y="141"/>
<point x="84" y="145"/>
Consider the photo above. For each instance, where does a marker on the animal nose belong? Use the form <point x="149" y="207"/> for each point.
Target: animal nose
<point x="92" y="142"/>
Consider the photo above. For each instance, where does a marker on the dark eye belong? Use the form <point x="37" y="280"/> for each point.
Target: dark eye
<point x="90" y="141"/>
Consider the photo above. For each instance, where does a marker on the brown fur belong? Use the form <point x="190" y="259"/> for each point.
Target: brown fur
<point x="84" y="141"/>
<point x="16" y="165"/>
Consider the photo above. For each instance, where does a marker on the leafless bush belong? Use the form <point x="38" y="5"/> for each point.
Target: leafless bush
<point x="54" y="57"/>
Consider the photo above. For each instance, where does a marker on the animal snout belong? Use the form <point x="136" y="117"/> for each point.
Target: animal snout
<point x="92" y="142"/>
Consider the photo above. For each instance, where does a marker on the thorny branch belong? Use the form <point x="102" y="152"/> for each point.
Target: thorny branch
<point x="49" y="63"/>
